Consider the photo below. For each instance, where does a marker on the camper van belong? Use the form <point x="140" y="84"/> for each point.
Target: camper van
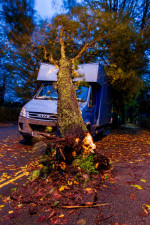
<point x="93" y="95"/>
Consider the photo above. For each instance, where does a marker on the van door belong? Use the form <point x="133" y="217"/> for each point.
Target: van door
<point x="92" y="107"/>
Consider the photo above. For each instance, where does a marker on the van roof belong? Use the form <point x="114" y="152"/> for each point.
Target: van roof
<point x="90" y="72"/>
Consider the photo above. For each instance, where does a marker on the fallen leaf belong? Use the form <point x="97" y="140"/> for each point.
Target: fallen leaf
<point x="74" y="154"/>
<point x="14" y="189"/>
<point x="56" y="195"/>
<point x="148" y="206"/>
<point x="137" y="186"/>
<point x="20" y="205"/>
<point x="96" y="166"/>
<point x="85" y="176"/>
<point x="62" y="188"/>
<point x="106" y="177"/>
<point x="89" y="203"/>
<point x="105" y="186"/>
<point x="62" y="215"/>
<point x="10" y="212"/>
<point x="34" y="174"/>
<point x="69" y="182"/>
<point x="82" y="222"/>
<point x="1" y="206"/>
<point x="6" y="199"/>
<point x="143" y="180"/>
<point x="52" y="190"/>
<point x="41" y="219"/>
<point x="56" y="203"/>
<point x="75" y="182"/>
<point x="63" y="165"/>
<point x="132" y="196"/>
<point x="143" y="213"/>
<point x="89" y="190"/>
<point x="52" y="214"/>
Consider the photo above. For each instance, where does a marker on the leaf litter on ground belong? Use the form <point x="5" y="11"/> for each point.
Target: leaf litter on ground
<point x="119" y="146"/>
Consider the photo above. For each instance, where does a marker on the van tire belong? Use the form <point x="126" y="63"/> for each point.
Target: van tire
<point x="27" y="138"/>
<point x="88" y="127"/>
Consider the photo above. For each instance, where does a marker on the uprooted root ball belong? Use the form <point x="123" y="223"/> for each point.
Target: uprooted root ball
<point x="81" y="153"/>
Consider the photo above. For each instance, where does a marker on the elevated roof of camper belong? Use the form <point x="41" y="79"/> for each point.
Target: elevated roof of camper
<point x="91" y="72"/>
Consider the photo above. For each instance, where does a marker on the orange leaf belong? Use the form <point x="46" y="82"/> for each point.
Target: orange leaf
<point x="89" y="190"/>
<point x="132" y="196"/>
<point x="89" y="203"/>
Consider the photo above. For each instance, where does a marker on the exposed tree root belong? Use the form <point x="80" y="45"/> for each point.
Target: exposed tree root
<point x="68" y="148"/>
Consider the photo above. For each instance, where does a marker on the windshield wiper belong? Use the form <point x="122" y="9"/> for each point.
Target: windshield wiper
<point x="54" y="98"/>
<point x="47" y="97"/>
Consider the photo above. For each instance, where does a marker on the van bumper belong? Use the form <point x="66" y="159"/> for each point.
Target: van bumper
<point x="34" y="128"/>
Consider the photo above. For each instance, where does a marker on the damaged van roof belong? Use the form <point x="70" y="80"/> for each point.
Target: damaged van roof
<point x="90" y="72"/>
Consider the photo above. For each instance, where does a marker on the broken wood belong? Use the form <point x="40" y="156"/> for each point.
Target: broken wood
<point x="82" y="206"/>
<point x="54" y="138"/>
<point x="99" y="220"/>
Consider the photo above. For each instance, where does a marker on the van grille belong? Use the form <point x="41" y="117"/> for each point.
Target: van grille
<point x="41" y="128"/>
<point x="43" y="116"/>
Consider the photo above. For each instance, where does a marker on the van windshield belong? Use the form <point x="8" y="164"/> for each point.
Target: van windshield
<point x="49" y="91"/>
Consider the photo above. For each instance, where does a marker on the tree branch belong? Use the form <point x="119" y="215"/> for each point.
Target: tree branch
<point x="85" y="47"/>
<point x="62" y="44"/>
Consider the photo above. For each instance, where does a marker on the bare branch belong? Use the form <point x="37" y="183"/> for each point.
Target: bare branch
<point x="81" y="52"/>
<point x="85" y="47"/>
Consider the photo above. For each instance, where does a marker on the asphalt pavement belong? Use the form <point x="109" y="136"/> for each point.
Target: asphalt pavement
<point x="16" y="156"/>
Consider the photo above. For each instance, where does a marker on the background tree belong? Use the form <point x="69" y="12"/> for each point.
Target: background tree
<point x="125" y="47"/>
<point x="19" y="16"/>
<point x="2" y="71"/>
<point x="22" y="62"/>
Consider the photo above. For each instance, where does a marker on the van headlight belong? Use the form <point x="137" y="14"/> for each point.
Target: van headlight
<point x="23" y="111"/>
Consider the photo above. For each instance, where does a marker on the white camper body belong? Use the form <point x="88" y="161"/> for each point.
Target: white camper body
<point x="94" y="101"/>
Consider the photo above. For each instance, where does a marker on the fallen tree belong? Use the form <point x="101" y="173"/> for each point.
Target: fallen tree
<point x="65" y="34"/>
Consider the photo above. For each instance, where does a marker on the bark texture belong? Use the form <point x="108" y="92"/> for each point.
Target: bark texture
<point x="70" y="120"/>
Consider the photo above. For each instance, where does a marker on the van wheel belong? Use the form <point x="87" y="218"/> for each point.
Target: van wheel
<point x="102" y="133"/>
<point x="27" y="138"/>
<point x="89" y="127"/>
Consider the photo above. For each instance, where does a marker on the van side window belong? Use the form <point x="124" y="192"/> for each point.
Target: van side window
<point x="92" y="99"/>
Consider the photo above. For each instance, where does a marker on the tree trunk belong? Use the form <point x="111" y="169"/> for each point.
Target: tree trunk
<point x="70" y="121"/>
<point x="2" y="91"/>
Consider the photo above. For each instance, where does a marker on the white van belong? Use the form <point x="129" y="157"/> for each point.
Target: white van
<point x="94" y="98"/>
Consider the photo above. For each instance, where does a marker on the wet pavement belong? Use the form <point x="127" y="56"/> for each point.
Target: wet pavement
<point x="16" y="156"/>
